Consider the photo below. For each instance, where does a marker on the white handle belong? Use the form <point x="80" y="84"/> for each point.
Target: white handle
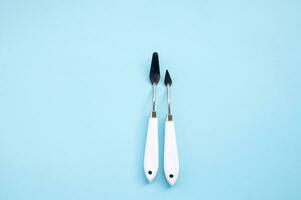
<point x="171" y="159"/>
<point x="151" y="154"/>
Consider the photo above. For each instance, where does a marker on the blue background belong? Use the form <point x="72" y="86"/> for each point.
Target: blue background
<point x="75" y="98"/>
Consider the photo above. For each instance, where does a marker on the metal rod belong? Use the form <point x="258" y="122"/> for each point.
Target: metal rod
<point x="154" y="98"/>
<point x="168" y="99"/>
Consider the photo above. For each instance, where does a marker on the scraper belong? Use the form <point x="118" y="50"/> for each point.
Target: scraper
<point x="151" y="154"/>
<point x="171" y="158"/>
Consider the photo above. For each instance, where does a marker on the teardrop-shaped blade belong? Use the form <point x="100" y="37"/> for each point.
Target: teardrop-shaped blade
<point x="167" y="79"/>
<point x="154" y="73"/>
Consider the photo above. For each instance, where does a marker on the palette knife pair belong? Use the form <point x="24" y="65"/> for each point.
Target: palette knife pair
<point x="151" y="154"/>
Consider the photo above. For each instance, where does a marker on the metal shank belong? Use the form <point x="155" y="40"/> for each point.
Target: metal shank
<point x="154" y="98"/>
<point x="169" y="115"/>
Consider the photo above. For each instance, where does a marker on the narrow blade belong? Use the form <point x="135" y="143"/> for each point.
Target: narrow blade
<point x="167" y="79"/>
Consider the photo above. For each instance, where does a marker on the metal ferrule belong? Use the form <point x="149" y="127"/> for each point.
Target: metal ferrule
<point x="153" y="114"/>
<point x="169" y="118"/>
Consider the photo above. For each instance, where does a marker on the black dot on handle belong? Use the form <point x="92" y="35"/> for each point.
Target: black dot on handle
<point x="150" y="172"/>
<point x="170" y="176"/>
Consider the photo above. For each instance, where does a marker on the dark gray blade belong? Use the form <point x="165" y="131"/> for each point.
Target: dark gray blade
<point x="154" y="73"/>
<point x="167" y="79"/>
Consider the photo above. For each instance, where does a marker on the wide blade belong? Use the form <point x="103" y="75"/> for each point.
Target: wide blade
<point x="154" y="74"/>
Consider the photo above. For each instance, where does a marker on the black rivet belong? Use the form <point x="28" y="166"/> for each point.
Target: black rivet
<point x="150" y="172"/>
<point x="170" y="176"/>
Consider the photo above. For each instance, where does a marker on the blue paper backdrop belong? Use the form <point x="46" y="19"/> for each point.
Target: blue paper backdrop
<point x="75" y="98"/>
